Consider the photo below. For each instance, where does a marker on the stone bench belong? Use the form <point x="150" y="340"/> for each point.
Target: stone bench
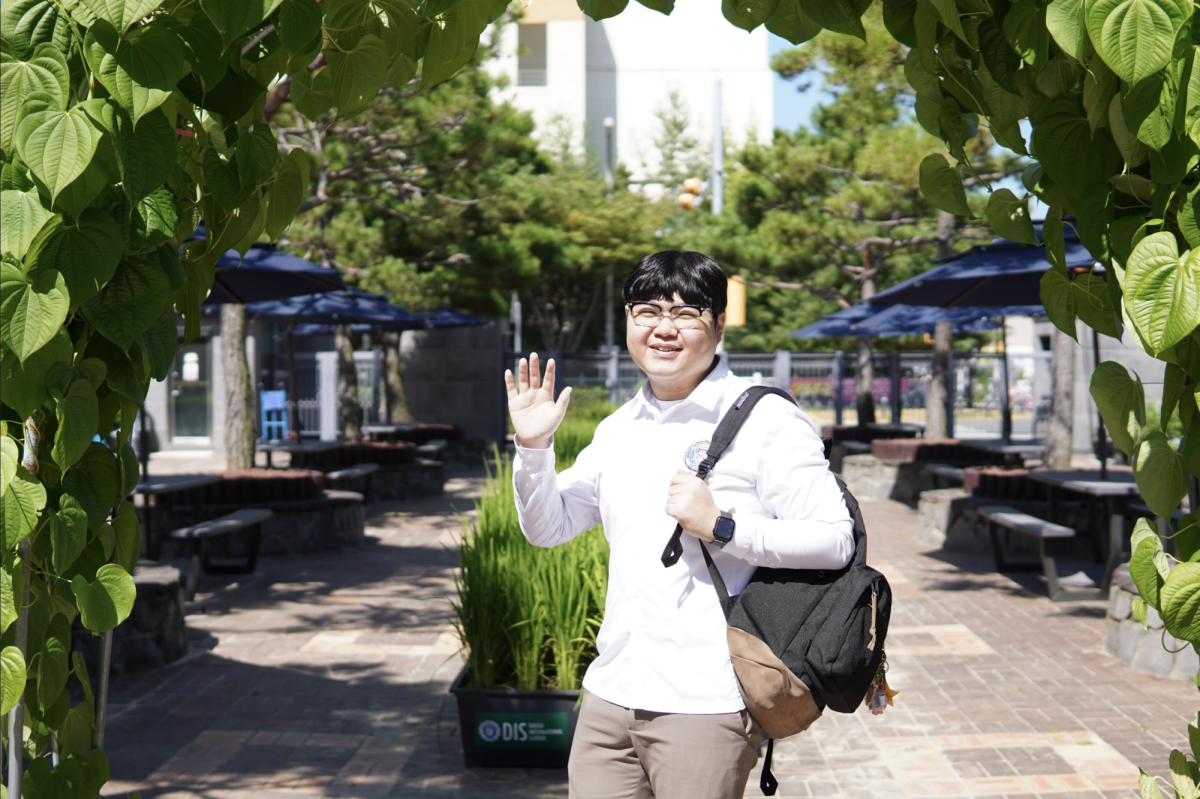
<point x="195" y="539"/>
<point x="1045" y="533"/>
<point x="940" y="472"/>
<point x="1147" y="649"/>
<point x="949" y="519"/>
<point x="356" y="478"/>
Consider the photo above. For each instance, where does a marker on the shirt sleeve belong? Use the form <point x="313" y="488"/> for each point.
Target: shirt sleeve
<point x="554" y="508"/>
<point x="811" y="528"/>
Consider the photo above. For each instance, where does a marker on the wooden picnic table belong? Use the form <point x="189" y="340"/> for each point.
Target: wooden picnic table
<point x="1113" y="493"/>
<point x="375" y="431"/>
<point x="1014" y="453"/>
<point x="294" y="447"/>
<point x="151" y="488"/>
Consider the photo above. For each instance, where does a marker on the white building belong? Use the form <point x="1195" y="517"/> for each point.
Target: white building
<point x="625" y="68"/>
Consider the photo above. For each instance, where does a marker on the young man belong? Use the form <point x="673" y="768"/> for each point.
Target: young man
<point x="662" y="715"/>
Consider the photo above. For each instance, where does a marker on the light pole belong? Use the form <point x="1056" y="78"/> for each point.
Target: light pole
<point x="717" y="179"/>
<point x="609" y="338"/>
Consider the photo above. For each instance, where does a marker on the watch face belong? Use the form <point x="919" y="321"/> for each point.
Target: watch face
<point x="723" y="531"/>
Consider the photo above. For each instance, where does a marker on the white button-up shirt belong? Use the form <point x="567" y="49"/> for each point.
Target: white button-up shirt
<point x="662" y="645"/>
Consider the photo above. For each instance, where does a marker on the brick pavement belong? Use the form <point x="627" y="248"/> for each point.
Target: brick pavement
<point x="327" y="676"/>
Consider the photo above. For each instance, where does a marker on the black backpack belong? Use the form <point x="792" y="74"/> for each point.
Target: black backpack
<point x="801" y="640"/>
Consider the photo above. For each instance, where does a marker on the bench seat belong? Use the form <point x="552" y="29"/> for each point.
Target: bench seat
<point x="941" y="471"/>
<point x="1003" y="516"/>
<point x="195" y="536"/>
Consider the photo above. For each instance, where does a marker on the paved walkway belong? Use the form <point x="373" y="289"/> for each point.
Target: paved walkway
<point x="327" y="676"/>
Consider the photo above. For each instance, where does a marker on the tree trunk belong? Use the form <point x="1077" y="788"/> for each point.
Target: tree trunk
<point x="864" y="383"/>
<point x="349" y="411"/>
<point x="1062" y="403"/>
<point x="239" y="406"/>
<point x="397" y="399"/>
<point x="864" y="373"/>
<point x="937" y="421"/>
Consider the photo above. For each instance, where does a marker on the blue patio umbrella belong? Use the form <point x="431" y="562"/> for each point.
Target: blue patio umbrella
<point x="883" y="321"/>
<point x="442" y="316"/>
<point x="266" y="273"/>
<point x="352" y="306"/>
<point x="1002" y="273"/>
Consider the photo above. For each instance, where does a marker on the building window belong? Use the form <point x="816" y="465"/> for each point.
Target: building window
<point x="531" y="61"/>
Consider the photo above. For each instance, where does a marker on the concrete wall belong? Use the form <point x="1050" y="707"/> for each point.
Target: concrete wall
<point x="456" y="376"/>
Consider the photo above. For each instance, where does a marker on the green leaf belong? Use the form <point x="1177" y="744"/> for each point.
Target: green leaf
<point x="160" y="344"/>
<point x="1181" y="602"/>
<point x="1122" y="404"/>
<point x="1000" y="61"/>
<point x="299" y="24"/>
<point x="1064" y="23"/>
<point x="1174" y="378"/>
<point x="130" y="302"/>
<point x="790" y="22"/>
<point x="140" y="70"/>
<point x="221" y="178"/>
<point x="56" y="145"/>
<point x="205" y="50"/>
<point x="664" y="7"/>
<point x="1194" y="736"/>
<point x="1073" y="156"/>
<point x="602" y="9"/>
<point x="81" y="193"/>
<point x="1145" y="574"/>
<point x="1181" y="775"/>
<point x="1025" y="27"/>
<point x="452" y="42"/>
<point x="28" y="23"/>
<point x="107" y="601"/>
<point x="20" y="505"/>
<point x="12" y="678"/>
<point x="32" y="308"/>
<point x="1009" y="217"/>
<point x="95" y="483"/>
<point x="86" y="253"/>
<point x="78" y="416"/>
<point x="68" y="532"/>
<point x="1187" y="540"/>
<point x="1135" y="37"/>
<point x="9" y="458"/>
<point x="96" y="773"/>
<point x="123" y="376"/>
<point x="46" y="72"/>
<point x="941" y="185"/>
<point x="21" y="217"/>
<point x="234" y="17"/>
<point x="357" y="75"/>
<point x="152" y="223"/>
<point x="1192" y="103"/>
<point x="749" y="14"/>
<point x="1159" y="472"/>
<point x="129" y="535"/>
<point x="75" y="735"/>
<point x="25" y="384"/>
<point x="287" y="191"/>
<point x="1162" y="292"/>
<point x="145" y="152"/>
<point x="53" y="664"/>
<point x="257" y="153"/>
<point x="121" y="14"/>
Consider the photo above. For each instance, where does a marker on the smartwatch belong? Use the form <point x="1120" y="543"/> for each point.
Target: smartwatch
<point x="723" y="529"/>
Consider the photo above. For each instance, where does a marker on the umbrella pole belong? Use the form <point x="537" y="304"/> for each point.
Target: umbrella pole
<point x="293" y="401"/>
<point x="1006" y="419"/>
<point x="1101" y="433"/>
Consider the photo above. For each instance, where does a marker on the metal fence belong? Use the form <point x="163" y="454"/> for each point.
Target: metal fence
<point x="900" y="386"/>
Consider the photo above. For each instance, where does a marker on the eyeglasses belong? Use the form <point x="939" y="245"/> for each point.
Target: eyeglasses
<point x="684" y="317"/>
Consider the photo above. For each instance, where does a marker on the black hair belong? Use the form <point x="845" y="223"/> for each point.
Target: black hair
<point x="697" y="278"/>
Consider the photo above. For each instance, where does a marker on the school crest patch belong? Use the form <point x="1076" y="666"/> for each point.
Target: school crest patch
<point x="695" y="454"/>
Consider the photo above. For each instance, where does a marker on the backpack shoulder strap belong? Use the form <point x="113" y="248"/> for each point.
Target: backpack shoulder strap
<point x="727" y="429"/>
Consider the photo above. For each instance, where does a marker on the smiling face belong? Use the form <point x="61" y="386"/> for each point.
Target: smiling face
<point x="674" y="360"/>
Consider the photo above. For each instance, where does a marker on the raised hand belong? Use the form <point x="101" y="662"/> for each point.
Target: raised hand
<point x="535" y="414"/>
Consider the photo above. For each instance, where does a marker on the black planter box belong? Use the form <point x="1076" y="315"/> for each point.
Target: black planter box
<point x="503" y="727"/>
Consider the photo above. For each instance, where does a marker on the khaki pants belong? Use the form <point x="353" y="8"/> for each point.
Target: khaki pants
<point x="637" y="754"/>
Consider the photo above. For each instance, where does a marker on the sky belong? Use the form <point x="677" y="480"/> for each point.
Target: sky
<point x="793" y="109"/>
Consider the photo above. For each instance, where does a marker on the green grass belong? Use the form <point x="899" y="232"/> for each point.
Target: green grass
<point x="589" y="406"/>
<point x="526" y="616"/>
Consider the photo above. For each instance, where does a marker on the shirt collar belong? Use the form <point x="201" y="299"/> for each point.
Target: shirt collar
<point x="707" y="395"/>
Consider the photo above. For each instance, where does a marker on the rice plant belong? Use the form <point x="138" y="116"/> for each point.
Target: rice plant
<point x="527" y="617"/>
